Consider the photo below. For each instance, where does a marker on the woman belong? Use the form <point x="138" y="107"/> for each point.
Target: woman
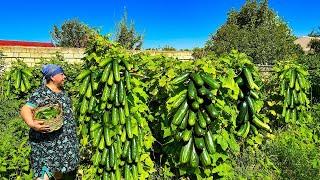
<point x="53" y="154"/>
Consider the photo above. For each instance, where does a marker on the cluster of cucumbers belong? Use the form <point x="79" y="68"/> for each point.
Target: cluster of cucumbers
<point x="105" y="116"/>
<point x="193" y="114"/>
<point x="293" y="88"/>
<point x="18" y="79"/>
<point x="248" y="119"/>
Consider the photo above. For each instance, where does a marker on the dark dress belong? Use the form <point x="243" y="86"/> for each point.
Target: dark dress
<point x="58" y="150"/>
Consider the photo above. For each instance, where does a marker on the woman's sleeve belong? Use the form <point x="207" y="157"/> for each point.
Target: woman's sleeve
<point x="34" y="100"/>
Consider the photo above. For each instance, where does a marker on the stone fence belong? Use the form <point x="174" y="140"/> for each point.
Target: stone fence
<point x="31" y="55"/>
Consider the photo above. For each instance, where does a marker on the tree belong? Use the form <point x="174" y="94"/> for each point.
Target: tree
<point x="315" y="33"/>
<point x="73" y="33"/>
<point x="127" y="36"/>
<point x="257" y="31"/>
<point x="168" y="48"/>
<point x="314" y="44"/>
<point x="198" y="53"/>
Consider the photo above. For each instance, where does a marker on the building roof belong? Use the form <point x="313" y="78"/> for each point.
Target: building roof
<point x="25" y="43"/>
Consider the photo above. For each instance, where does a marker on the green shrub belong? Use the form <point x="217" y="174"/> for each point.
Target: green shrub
<point x="254" y="163"/>
<point x="292" y="155"/>
<point x="312" y="62"/>
<point x="14" y="150"/>
<point x="295" y="154"/>
<point x="9" y="109"/>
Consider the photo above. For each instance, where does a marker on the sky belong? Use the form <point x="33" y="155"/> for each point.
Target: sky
<point x="183" y="24"/>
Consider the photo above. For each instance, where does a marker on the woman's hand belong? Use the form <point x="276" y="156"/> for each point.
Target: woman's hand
<point x="39" y="126"/>
<point x="27" y="116"/>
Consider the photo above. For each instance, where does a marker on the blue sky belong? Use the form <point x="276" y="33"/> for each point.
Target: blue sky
<point x="181" y="24"/>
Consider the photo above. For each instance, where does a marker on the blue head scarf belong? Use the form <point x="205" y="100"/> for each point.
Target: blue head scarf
<point x="50" y="70"/>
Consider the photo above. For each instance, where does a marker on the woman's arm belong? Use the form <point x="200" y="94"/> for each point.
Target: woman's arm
<point x="27" y="116"/>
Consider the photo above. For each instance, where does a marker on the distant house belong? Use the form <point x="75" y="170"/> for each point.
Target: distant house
<point x="304" y="41"/>
<point x="25" y="43"/>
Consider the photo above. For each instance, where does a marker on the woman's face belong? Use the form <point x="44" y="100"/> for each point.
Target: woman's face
<point x="58" y="79"/>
